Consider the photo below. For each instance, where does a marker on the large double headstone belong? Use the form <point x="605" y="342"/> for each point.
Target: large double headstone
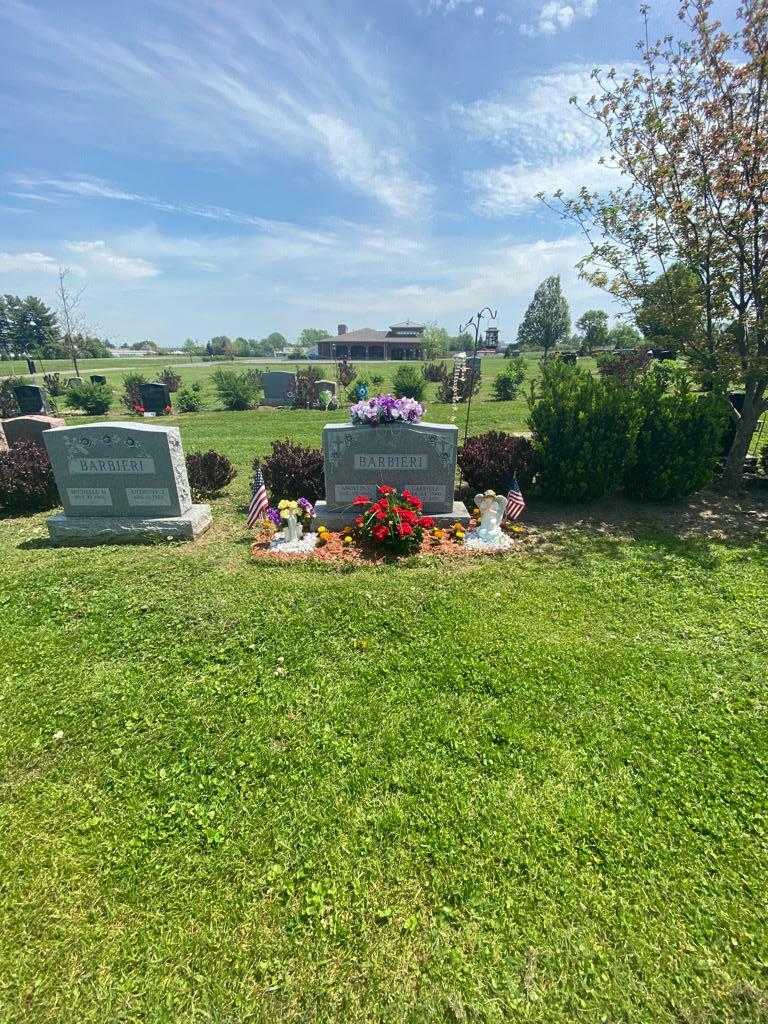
<point x="122" y="482"/>
<point x="279" y="387"/>
<point x="418" y="456"/>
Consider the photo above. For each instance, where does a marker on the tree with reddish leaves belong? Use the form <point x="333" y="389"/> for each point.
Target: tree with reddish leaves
<point x="689" y="132"/>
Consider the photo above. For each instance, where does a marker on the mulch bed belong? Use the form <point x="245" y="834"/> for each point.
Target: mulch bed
<point x="334" y="550"/>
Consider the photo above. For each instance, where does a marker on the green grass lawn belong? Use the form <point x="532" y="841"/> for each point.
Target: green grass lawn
<point x="524" y="789"/>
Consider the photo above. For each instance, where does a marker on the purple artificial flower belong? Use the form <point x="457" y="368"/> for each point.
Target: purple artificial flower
<point x="307" y="507"/>
<point x="274" y="516"/>
<point x="386" y="409"/>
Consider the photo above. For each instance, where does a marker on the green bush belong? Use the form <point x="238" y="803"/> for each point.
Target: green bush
<point x="190" y="399"/>
<point x="408" y="383"/>
<point x="376" y="380"/>
<point x="583" y="430"/>
<point x="509" y="381"/>
<point x="764" y="460"/>
<point x="434" y="372"/>
<point x="170" y="378"/>
<point x="679" y="440"/>
<point x="131" y="396"/>
<point x="92" y="399"/>
<point x="236" y="391"/>
<point x="54" y="384"/>
<point x="306" y="395"/>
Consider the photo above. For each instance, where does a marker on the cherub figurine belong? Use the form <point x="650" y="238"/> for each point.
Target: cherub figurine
<point x="491" y="507"/>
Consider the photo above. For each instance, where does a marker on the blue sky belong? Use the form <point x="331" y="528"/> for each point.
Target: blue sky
<point x="233" y="167"/>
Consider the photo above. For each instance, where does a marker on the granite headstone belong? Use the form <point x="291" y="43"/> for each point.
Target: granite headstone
<point x="31" y="400"/>
<point x="29" y="428"/>
<point x="418" y="456"/>
<point x="279" y="387"/>
<point x="98" y="378"/>
<point x="155" y="397"/>
<point x="122" y="482"/>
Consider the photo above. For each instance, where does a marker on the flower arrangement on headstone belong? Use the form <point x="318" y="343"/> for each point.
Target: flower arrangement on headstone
<point x="386" y="409"/>
<point x="393" y="522"/>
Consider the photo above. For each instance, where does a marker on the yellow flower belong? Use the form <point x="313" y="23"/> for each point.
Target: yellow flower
<point x="459" y="535"/>
<point x="347" y="539"/>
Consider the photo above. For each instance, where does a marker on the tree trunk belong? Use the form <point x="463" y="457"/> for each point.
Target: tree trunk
<point x="733" y="467"/>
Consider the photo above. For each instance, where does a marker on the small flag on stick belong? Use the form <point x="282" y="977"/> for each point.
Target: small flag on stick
<point x="259" y="502"/>
<point x="515" y="501"/>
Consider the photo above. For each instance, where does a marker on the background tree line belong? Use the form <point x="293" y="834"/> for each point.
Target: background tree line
<point x="29" y="327"/>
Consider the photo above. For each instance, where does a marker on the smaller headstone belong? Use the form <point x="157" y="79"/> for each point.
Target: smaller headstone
<point x="73" y="381"/>
<point x="279" y="387"/>
<point x="326" y="386"/>
<point x="155" y="398"/>
<point x="98" y="378"/>
<point x="122" y="482"/>
<point x="569" y="358"/>
<point x="31" y="365"/>
<point x="29" y="428"/>
<point x="31" y="400"/>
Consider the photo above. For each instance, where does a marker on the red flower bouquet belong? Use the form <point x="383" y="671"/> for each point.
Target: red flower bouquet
<point x="393" y="522"/>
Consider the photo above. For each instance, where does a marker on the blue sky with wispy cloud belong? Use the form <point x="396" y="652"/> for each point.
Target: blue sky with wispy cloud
<point x="234" y="167"/>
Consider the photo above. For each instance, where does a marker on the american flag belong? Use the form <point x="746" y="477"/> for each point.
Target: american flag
<point x="515" y="501"/>
<point x="259" y="502"/>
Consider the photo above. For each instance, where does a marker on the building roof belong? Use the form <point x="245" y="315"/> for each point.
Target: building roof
<point x="365" y="335"/>
<point x="406" y="323"/>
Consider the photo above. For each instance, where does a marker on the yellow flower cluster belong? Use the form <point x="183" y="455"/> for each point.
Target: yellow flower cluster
<point x="288" y="508"/>
<point x="323" y="535"/>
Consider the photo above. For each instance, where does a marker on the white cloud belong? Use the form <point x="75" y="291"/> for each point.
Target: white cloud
<point x="553" y="144"/>
<point x="98" y="256"/>
<point x="512" y="189"/>
<point x="245" y="81"/>
<point x="27" y="262"/>
<point x="479" y="11"/>
<point x="379" y="174"/>
<point x="557" y="15"/>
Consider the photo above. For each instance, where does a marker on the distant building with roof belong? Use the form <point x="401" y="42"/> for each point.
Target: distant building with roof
<point x="401" y="341"/>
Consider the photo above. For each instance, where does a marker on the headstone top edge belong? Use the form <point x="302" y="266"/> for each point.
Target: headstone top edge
<point x="120" y="425"/>
<point x="399" y="423"/>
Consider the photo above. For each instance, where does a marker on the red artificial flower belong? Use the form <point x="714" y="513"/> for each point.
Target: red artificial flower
<point x="386" y="489"/>
<point x="381" y="514"/>
<point x="408" y="515"/>
<point x="361" y="500"/>
<point x="412" y="499"/>
<point x="167" y="410"/>
<point x="404" y="529"/>
<point x="380" y="532"/>
<point x="358" y="520"/>
<point x="426" y="522"/>
<point x="138" y="408"/>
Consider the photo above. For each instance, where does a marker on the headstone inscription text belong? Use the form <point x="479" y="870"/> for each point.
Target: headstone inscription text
<point x="418" y="456"/>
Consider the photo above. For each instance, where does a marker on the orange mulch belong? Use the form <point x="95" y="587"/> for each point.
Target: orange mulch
<point x="334" y="550"/>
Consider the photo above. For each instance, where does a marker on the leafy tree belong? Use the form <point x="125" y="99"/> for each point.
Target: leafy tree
<point x="671" y="312"/>
<point x="547" y="319"/>
<point x="624" y="336"/>
<point x="460" y="342"/>
<point x="192" y="347"/>
<point x="35" y="326"/>
<point x="593" y="328"/>
<point x="688" y="131"/>
<point x="221" y="345"/>
<point x="273" y="342"/>
<point x="310" y="336"/>
<point x="435" y="341"/>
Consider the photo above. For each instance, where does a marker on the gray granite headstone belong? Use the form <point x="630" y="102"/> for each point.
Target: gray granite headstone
<point x="29" y="428"/>
<point x="420" y="457"/>
<point x="279" y="387"/>
<point x="98" y="378"/>
<point x="31" y="400"/>
<point x="122" y="481"/>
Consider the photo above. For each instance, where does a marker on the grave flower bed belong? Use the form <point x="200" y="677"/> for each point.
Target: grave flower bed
<point x="394" y="522"/>
<point x="386" y="409"/>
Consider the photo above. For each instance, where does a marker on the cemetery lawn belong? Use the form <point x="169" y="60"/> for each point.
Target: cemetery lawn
<point x="531" y="789"/>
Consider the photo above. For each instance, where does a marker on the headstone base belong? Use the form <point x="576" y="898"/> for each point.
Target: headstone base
<point x="336" y="519"/>
<point x="91" y="530"/>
